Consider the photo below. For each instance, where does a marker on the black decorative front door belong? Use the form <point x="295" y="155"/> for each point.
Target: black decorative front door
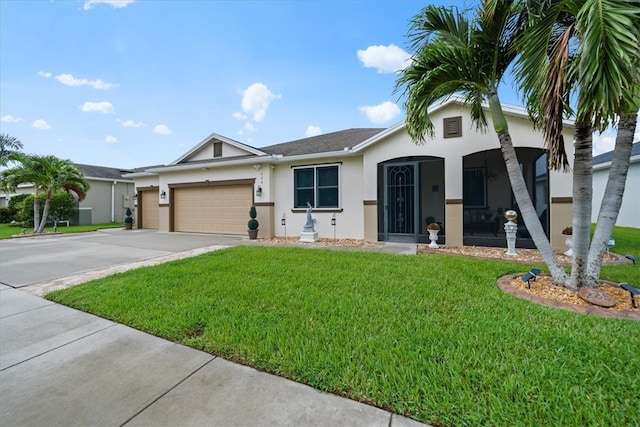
<point x="400" y="197"/>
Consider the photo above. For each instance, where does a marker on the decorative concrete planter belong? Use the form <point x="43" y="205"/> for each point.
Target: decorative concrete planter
<point x="433" y="236"/>
<point x="569" y="243"/>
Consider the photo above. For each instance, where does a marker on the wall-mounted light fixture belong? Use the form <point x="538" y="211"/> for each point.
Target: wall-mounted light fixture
<point x="135" y="197"/>
<point x="163" y="195"/>
<point x="333" y="224"/>
<point x="259" y="191"/>
<point x="283" y="222"/>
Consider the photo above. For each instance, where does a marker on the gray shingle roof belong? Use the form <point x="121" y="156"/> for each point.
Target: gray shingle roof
<point x="334" y="141"/>
<point x="606" y="157"/>
<point x="91" y="171"/>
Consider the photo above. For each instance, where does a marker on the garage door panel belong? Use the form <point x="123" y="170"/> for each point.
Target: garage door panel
<point x="150" y="215"/>
<point x="214" y="209"/>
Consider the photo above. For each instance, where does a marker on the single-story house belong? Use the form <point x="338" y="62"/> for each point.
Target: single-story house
<point x="629" y="210"/>
<point x="110" y="195"/>
<point x="373" y="184"/>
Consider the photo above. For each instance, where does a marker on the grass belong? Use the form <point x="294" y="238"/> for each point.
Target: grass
<point x="627" y="243"/>
<point x="430" y="336"/>
<point x="8" y="230"/>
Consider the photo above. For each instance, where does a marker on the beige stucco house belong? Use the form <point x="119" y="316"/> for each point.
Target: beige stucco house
<point x="110" y="194"/>
<point x="372" y="184"/>
<point x="628" y="215"/>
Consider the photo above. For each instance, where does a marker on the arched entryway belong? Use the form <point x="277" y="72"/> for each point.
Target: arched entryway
<point x="410" y="190"/>
<point x="487" y="195"/>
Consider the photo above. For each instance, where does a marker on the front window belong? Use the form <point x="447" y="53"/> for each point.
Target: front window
<point x="318" y="185"/>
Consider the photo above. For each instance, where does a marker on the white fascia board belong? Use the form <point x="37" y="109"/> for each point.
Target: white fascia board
<point x="139" y="174"/>
<point x="315" y="156"/>
<point x="91" y="178"/>
<point x="607" y="165"/>
<point x="508" y="109"/>
<point x="220" y="138"/>
<point x="377" y="137"/>
<point x="265" y="158"/>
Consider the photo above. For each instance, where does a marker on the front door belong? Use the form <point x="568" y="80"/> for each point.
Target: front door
<point x="400" y="202"/>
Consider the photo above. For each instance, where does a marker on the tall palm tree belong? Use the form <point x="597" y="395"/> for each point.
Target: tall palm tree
<point x="455" y="55"/>
<point x="47" y="174"/>
<point x="589" y="47"/>
<point x="10" y="148"/>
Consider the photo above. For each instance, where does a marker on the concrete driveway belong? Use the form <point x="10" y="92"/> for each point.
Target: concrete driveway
<point x="30" y="260"/>
<point x="63" y="367"/>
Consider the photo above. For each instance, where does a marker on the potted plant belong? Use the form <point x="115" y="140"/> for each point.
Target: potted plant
<point x="128" y="221"/>
<point x="433" y="228"/>
<point x="568" y="232"/>
<point x="253" y="223"/>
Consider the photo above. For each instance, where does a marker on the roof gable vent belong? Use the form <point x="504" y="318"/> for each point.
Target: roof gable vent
<point x="452" y="127"/>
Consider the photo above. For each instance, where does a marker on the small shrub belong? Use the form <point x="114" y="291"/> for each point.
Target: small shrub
<point x="253" y="222"/>
<point x="5" y="215"/>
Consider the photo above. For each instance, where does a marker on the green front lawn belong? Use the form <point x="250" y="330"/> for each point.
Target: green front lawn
<point x="428" y="336"/>
<point x="8" y="230"/>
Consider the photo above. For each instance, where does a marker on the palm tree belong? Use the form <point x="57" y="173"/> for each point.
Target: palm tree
<point x="590" y="47"/>
<point x="456" y="55"/>
<point x="47" y="174"/>
<point x="10" y="147"/>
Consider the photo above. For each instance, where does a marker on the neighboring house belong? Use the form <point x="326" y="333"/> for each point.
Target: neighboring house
<point x="373" y="184"/>
<point x="629" y="215"/>
<point x="110" y="194"/>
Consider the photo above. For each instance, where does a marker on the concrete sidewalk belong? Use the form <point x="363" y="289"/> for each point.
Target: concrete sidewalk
<point x="61" y="367"/>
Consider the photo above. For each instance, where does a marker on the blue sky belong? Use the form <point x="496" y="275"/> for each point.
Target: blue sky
<point x="127" y="83"/>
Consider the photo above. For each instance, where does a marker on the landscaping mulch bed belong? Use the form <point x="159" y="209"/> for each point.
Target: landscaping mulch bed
<point x="522" y="255"/>
<point x="341" y="243"/>
<point x="544" y="287"/>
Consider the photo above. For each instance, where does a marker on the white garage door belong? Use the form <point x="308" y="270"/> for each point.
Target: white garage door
<point x="215" y="209"/>
<point x="150" y="217"/>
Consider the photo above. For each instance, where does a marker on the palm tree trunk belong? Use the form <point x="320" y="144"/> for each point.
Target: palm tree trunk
<point x="36" y="210"/>
<point x="612" y="198"/>
<point x="521" y="193"/>
<point x="582" y="199"/>
<point x="45" y="212"/>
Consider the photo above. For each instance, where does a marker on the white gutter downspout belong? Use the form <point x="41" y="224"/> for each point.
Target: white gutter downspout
<point x="113" y="201"/>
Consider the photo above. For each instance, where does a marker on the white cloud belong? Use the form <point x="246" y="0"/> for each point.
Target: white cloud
<point x="603" y="142"/>
<point x="110" y="139"/>
<point x="44" y="74"/>
<point x="162" y="130"/>
<point x="313" y="131"/>
<point x="255" y="100"/>
<point x="132" y="124"/>
<point x="118" y="4"/>
<point x="606" y="140"/>
<point x="40" y="124"/>
<point x="69" y="80"/>
<point x="103" y="107"/>
<point x="10" y="119"/>
<point x="385" y="59"/>
<point x="383" y="113"/>
<point x="239" y="116"/>
<point x="249" y="127"/>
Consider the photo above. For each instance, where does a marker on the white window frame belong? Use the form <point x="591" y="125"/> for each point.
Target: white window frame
<point x="315" y="185"/>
